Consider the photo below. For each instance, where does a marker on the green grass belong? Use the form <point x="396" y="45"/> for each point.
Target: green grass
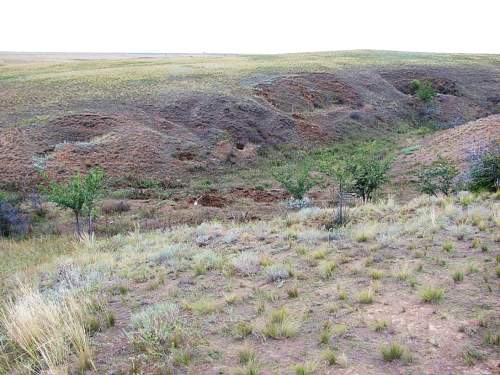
<point x="431" y="294"/>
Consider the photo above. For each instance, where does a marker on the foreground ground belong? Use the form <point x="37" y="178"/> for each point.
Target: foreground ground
<point x="281" y="296"/>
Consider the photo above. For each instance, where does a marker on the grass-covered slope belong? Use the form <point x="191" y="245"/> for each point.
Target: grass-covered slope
<point x="409" y="288"/>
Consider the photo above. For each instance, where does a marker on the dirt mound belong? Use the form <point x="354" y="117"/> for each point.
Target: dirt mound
<point x="455" y="144"/>
<point x="214" y="117"/>
<point x="260" y="195"/>
<point x="307" y="92"/>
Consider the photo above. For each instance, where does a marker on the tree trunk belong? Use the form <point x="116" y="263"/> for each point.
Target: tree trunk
<point x="77" y="223"/>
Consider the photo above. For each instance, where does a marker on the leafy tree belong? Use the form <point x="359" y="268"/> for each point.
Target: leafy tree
<point x="367" y="168"/>
<point x="295" y="179"/>
<point x="79" y="194"/>
<point x="485" y="173"/>
<point x="438" y="177"/>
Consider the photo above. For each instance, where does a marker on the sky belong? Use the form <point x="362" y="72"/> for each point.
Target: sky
<point x="249" y="26"/>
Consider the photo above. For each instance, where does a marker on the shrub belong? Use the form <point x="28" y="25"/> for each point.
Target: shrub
<point x="438" y="177"/>
<point x="114" y="206"/>
<point x="367" y="168"/>
<point x="158" y="330"/>
<point x="79" y="195"/>
<point x="12" y="222"/>
<point x="277" y="272"/>
<point x="485" y="172"/>
<point x="295" y="179"/>
<point x="426" y="92"/>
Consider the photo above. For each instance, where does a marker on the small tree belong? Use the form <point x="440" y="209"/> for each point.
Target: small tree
<point x="78" y="194"/>
<point x="424" y="90"/>
<point x="295" y="179"/>
<point x="438" y="178"/>
<point x="485" y="172"/>
<point x="336" y="168"/>
<point x="368" y="167"/>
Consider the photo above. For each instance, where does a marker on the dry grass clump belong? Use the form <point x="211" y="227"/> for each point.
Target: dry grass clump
<point x="281" y="325"/>
<point x="247" y="263"/>
<point x="45" y="331"/>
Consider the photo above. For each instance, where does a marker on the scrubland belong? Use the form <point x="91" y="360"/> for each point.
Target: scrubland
<point x="405" y="287"/>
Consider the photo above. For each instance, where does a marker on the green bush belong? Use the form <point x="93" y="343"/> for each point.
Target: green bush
<point x="79" y="194"/>
<point x="424" y="90"/>
<point x="295" y="179"/>
<point x="438" y="177"/>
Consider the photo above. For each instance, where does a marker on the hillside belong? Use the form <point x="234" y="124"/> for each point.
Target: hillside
<point x="176" y="117"/>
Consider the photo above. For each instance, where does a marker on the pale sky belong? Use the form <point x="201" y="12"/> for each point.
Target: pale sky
<point x="250" y="26"/>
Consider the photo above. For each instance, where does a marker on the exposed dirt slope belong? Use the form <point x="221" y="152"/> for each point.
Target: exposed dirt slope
<point x="174" y="136"/>
<point x="456" y="144"/>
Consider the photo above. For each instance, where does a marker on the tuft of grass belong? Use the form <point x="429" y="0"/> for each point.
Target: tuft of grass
<point x="448" y="246"/>
<point x="366" y="297"/>
<point x="492" y="338"/>
<point x="156" y="325"/>
<point x="319" y="254"/>
<point x="431" y="295"/>
<point x="242" y="329"/>
<point x="458" y="276"/>
<point x="376" y="274"/>
<point x="330" y="357"/>
<point x="395" y="351"/>
<point x="381" y="325"/>
<point x="326" y="334"/>
<point x="280" y="325"/>
<point x="247" y="355"/>
<point x="204" y="306"/>
<point x="307" y="368"/>
<point x="292" y="292"/>
<point x="497" y="271"/>
<point x="326" y="269"/>
<point x="471" y="355"/>
<point x="48" y="330"/>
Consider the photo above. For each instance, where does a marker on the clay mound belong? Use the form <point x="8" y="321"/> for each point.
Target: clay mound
<point x="455" y="144"/>
<point x="308" y="92"/>
<point x="78" y="142"/>
<point x="214" y="117"/>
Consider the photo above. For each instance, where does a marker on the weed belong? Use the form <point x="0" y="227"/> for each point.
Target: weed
<point x="292" y="292"/>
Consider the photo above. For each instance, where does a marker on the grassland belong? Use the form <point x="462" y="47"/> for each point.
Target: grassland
<point x="404" y="288"/>
<point x="36" y="89"/>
